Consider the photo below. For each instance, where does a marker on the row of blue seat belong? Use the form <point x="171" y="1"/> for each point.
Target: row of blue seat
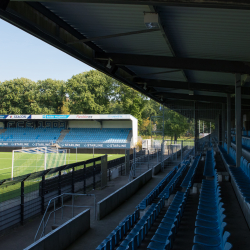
<point x="165" y="233"/>
<point x="209" y="168"/>
<point x="245" y="143"/>
<point x="240" y="174"/>
<point x="209" y="231"/>
<point x="172" y="184"/>
<point x="191" y="172"/>
<point x="244" y="132"/>
<point x="117" y="235"/>
<point x="241" y="177"/>
<point x="139" y="232"/>
<point x="229" y="158"/>
<point x="156" y="191"/>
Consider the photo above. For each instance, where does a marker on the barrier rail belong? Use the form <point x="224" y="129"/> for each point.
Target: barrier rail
<point x="44" y="224"/>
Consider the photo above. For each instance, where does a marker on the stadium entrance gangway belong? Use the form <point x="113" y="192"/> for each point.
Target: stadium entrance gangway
<point x="44" y="224"/>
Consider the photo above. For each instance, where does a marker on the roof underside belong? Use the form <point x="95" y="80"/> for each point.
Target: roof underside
<point x="198" y="49"/>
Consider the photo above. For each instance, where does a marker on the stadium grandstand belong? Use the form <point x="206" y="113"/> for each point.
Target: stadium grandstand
<point x="81" y="131"/>
<point x="192" y="57"/>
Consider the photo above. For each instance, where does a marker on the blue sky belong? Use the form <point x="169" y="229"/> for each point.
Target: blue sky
<point x="23" y="55"/>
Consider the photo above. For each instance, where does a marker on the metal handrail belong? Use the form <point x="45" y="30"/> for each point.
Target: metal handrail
<point x="62" y="206"/>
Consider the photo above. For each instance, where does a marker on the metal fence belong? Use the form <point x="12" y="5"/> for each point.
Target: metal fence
<point x="28" y="195"/>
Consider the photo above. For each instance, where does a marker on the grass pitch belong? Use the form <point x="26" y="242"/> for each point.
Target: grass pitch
<point x="6" y="162"/>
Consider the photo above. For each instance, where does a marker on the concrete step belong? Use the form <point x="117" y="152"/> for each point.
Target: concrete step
<point x="63" y="134"/>
<point x="2" y="130"/>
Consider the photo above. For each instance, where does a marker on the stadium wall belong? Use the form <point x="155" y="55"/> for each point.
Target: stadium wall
<point x="65" y="234"/>
<point x="114" y="200"/>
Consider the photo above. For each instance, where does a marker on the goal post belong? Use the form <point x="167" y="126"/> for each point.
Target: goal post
<point x="30" y="160"/>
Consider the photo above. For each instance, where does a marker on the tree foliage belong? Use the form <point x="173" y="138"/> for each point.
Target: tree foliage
<point x="89" y="92"/>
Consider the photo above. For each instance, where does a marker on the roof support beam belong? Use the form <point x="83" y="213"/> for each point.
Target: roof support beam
<point x="191" y="86"/>
<point x="177" y="63"/>
<point x="202" y="98"/>
<point x="98" y="38"/>
<point x="223" y="4"/>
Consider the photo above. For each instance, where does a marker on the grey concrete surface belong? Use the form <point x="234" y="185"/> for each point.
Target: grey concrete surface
<point x="20" y="237"/>
<point x="101" y="229"/>
<point x="156" y="169"/>
<point x="114" y="200"/>
<point x="64" y="235"/>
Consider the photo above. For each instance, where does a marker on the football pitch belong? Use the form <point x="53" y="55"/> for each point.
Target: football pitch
<point x="6" y="162"/>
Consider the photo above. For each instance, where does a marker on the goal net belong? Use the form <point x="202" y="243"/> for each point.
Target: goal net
<point x="25" y="161"/>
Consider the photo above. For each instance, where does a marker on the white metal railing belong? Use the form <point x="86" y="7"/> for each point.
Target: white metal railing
<point x="44" y="223"/>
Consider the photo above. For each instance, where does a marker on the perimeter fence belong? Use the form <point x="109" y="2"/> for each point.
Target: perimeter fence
<point x="25" y="196"/>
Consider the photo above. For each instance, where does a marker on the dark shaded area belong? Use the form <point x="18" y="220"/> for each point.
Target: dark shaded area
<point x="236" y="223"/>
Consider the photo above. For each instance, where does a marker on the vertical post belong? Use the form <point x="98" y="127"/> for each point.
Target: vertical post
<point x="45" y="158"/>
<point x="73" y="204"/>
<point x="84" y="179"/>
<point x="94" y="176"/>
<point x="223" y="124"/>
<point x="42" y="193"/>
<point x="203" y="128"/>
<point x="162" y="149"/>
<point x="59" y="185"/>
<point x="148" y="159"/>
<point x="195" y="130"/>
<point x="181" y="150"/>
<point x="73" y="180"/>
<point x="238" y="118"/>
<point x="210" y="128"/>
<point x="228" y="122"/>
<point x="22" y="202"/>
<point x="199" y="126"/>
<point x="93" y="152"/>
<point x="12" y="169"/>
<point x="76" y="154"/>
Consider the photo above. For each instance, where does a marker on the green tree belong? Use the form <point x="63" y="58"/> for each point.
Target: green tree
<point x="175" y="124"/>
<point x="51" y="95"/>
<point x="18" y="97"/>
<point x="89" y="93"/>
<point x="128" y="101"/>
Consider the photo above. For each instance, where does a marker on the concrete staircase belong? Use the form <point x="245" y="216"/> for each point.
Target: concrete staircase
<point x="2" y="130"/>
<point x="63" y="134"/>
<point x="129" y="136"/>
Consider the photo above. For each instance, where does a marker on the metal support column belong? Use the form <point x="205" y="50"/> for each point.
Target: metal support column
<point x="238" y="118"/>
<point x="73" y="180"/>
<point x="43" y="193"/>
<point x="223" y="124"/>
<point x="228" y="122"/>
<point x="22" y="202"/>
<point x="196" y="136"/>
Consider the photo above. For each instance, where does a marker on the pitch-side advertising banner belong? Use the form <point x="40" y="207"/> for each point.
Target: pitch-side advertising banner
<point x="65" y="145"/>
<point x="68" y="117"/>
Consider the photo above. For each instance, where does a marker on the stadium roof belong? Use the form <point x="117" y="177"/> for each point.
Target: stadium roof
<point x="192" y="55"/>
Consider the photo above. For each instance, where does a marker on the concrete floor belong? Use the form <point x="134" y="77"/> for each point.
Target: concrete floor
<point x="22" y="236"/>
<point x="101" y="229"/>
